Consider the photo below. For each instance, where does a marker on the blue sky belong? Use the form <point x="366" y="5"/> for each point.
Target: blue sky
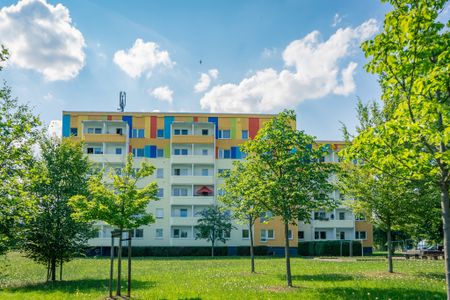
<point x="256" y="56"/>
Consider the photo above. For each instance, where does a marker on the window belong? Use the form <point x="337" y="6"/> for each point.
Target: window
<point x="224" y="172"/>
<point x="320" y="215"/>
<point x="98" y="131"/>
<point x="226" y="234"/>
<point x="340" y="235"/>
<point x="290" y="234"/>
<point x="90" y="130"/>
<point x="139" y="152"/>
<point x="179" y="233"/>
<point x="119" y="131"/>
<point x="320" y="235"/>
<point x="138" y="133"/>
<point x="204" y="172"/>
<point x="139" y="233"/>
<point x="224" y="134"/>
<point x="90" y="150"/>
<point x="160" y="193"/>
<point x="176" y="233"/>
<point x="98" y="150"/>
<point x="181" y="132"/>
<point x="266" y="234"/>
<point x="118" y="151"/>
<point x="180" y="172"/>
<point x="341" y="215"/>
<point x="204" y="151"/>
<point x="224" y="153"/>
<point x="301" y="235"/>
<point x="184" y="233"/>
<point x="245" y="134"/>
<point x="159" y="152"/>
<point x="360" y="235"/>
<point x="180" y="151"/>
<point x="160" y="173"/>
<point x="159" y="213"/>
<point x="74" y="131"/>
<point x="245" y="234"/>
<point x="204" y="131"/>
<point x="183" y="212"/>
<point x="180" y="192"/>
<point x="159" y="233"/>
<point x="160" y="133"/>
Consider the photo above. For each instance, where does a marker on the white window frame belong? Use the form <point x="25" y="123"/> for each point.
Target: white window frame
<point x="159" y="237"/>
<point x="159" y="213"/>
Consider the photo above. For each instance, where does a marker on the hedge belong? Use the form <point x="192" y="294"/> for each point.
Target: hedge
<point x="329" y="248"/>
<point x="178" y="251"/>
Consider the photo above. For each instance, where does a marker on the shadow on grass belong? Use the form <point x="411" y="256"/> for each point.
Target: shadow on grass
<point x="436" y="275"/>
<point x="320" y="277"/>
<point x="79" y="285"/>
<point x="378" y="293"/>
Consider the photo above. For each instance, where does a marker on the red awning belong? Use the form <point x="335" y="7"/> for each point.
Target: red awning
<point x="204" y="189"/>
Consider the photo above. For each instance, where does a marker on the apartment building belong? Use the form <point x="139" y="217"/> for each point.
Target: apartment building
<point x="189" y="151"/>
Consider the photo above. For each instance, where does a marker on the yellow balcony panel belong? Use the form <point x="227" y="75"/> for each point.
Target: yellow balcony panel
<point x="193" y="139"/>
<point x="104" y="138"/>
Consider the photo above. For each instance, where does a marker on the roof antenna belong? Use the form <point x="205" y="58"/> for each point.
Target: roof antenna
<point x="122" y="101"/>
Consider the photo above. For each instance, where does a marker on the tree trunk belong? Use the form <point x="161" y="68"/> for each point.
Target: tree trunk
<point x="48" y="270"/>
<point x="60" y="269"/>
<point x="287" y="254"/>
<point x="445" y="205"/>
<point x="389" y="248"/>
<point x="252" y="254"/>
<point x="119" y="265"/>
<point x="53" y="268"/>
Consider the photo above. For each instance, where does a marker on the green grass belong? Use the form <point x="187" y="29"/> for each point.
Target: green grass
<point x="229" y="278"/>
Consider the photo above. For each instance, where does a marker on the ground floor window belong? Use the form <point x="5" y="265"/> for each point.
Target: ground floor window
<point x="320" y="235"/>
<point x="266" y="234"/>
<point x="245" y="234"/>
<point x="301" y="235"/>
<point x="159" y="233"/>
<point x="360" y="235"/>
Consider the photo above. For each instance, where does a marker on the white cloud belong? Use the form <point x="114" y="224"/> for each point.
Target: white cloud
<point x="41" y="37"/>
<point x="55" y="128"/>
<point x="143" y="57"/>
<point x="205" y="80"/>
<point x="336" y="20"/>
<point x="312" y="70"/>
<point x="268" y="53"/>
<point x="162" y="93"/>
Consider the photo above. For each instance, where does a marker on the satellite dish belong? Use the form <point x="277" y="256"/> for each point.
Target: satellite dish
<point x="122" y="101"/>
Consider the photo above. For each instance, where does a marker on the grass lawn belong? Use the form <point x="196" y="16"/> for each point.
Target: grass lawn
<point x="229" y="278"/>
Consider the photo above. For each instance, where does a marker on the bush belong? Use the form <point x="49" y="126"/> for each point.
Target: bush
<point x="329" y="248"/>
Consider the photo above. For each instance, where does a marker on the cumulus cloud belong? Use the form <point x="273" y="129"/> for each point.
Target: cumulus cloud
<point x="312" y="70"/>
<point x="141" y="58"/>
<point x="162" y="93"/>
<point x="205" y="80"/>
<point x="41" y="37"/>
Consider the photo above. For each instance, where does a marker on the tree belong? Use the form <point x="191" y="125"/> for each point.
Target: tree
<point x="213" y="226"/>
<point x="51" y="236"/>
<point x="241" y="197"/>
<point x="411" y="56"/>
<point x="290" y="179"/>
<point x="386" y="201"/>
<point x="120" y="203"/>
<point x="19" y="129"/>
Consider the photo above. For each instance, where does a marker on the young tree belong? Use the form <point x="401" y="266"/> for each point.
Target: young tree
<point x="388" y="202"/>
<point x="411" y="56"/>
<point x="121" y="203"/>
<point x="19" y="129"/>
<point x="51" y="236"/>
<point x="212" y="226"/>
<point x="290" y="179"/>
<point x="241" y="197"/>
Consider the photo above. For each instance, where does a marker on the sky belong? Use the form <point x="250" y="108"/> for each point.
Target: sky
<point x="194" y="56"/>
